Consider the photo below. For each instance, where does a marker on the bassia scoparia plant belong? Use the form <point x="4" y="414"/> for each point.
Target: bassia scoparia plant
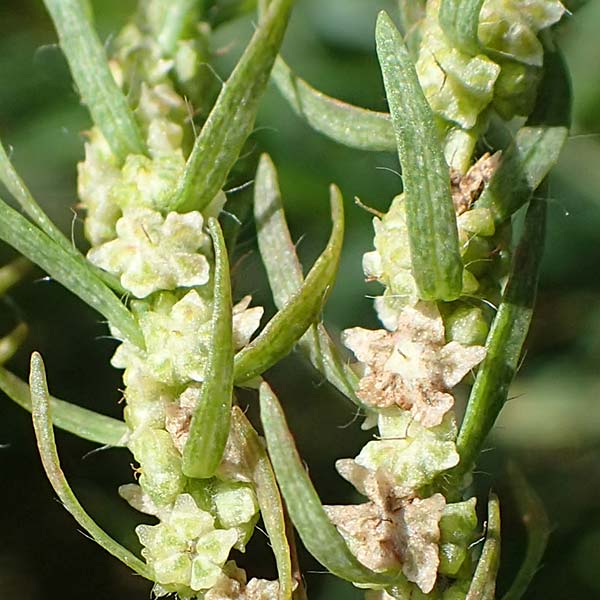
<point x="456" y="303"/>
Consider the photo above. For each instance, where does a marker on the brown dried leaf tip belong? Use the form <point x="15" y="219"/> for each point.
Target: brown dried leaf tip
<point x="468" y="187"/>
<point x="412" y="367"/>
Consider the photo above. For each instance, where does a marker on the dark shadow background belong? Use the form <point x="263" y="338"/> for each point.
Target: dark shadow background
<point x="552" y="427"/>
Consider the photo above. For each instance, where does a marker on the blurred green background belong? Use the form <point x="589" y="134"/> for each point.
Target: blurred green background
<point x="551" y="428"/>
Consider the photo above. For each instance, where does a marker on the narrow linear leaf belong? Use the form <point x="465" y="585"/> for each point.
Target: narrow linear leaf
<point x="460" y="21"/>
<point x="210" y="423"/>
<point x="280" y="334"/>
<point x="536" y="147"/>
<point x="75" y="275"/>
<point x="12" y="273"/>
<point x="342" y="122"/>
<point x="269" y="499"/>
<point x="79" y="421"/>
<point x="231" y="120"/>
<point x="16" y="186"/>
<point x="42" y="423"/>
<point x="178" y="16"/>
<point x="317" y="532"/>
<point x="225" y="11"/>
<point x="524" y="166"/>
<point x="537" y="525"/>
<point x="436" y="263"/>
<point x="285" y="276"/>
<point x="483" y="584"/>
<point x="89" y="67"/>
<point x="505" y="340"/>
<point x="10" y="343"/>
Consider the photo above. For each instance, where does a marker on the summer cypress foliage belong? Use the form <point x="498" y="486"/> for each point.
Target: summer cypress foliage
<point x="456" y="302"/>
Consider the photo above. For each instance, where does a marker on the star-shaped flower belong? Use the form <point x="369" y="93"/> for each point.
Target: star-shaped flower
<point x="406" y="538"/>
<point x="153" y="253"/>
<point x="412" y="367"/>
<point x="185" y="548"/>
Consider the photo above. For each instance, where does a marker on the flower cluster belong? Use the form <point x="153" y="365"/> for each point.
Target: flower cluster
<point x="409" y="369"/>
<point x="165" y="261"/>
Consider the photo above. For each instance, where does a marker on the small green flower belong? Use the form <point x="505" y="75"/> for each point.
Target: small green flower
<point x="185" y="549"/>
<point x="153" y="253"/>
<point x="406" y="458"/>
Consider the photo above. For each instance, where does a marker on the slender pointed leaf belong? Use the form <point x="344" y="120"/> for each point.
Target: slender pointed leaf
<point x="271" y="506"/>
<point x="483" y="584"/>
<point x="16" y="186"/>
<point x="436" y="263"/>
<point x="536" y="147"/>
<point x="13" y="272"/>
<point x="75" y="275"/>
<point x="280" y="334"/>
<point x="79" y="421"/>
<point x="537" y="525"/>
<point x="317" y="532"/>
<point x="178" y="16"/>
<point x="505" y="340"/>
<point x="10" y="343"/>
<point x="231" y="120"/>
<point x="211" y="419"/>
<point x="342" y="122"/>
<point x="89" y="67"/>
<point x="285" y="276"/>
<point x="460" y="21"/>
<point x="524" y="166"/>
<point x="225" y="11"/>
<point x="42" y="423"/>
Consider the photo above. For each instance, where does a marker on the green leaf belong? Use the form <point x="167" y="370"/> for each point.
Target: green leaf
<point x="534" y="518"/>
<point x="79" y="421"/>
<point x="16" y="186"/>
<point x="261" y="473"/>
<point x="13" y="272"/>
<point x="302" y="309"/>
<point x="231" y="120"/>
<point x="436" y="263"/>
<point x="460" y="21"/>
<point x="89" y="67"/>
<point x="178" y="16"/>
<point x="342" y="122"/>
<point x="483" y="584"/>
<point x="10" y="343"/>
<point x="42" y="423"/>
<point x="317" y="532"/>
<point x="285" y="276"/>
<point x="74" y="274"/>
<point x="210" y="424"/>
<point x="536" y="147"/>
<point x="523" y="167"/>
<point x="223" y="11"/>
<point x="505" y="340"/>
